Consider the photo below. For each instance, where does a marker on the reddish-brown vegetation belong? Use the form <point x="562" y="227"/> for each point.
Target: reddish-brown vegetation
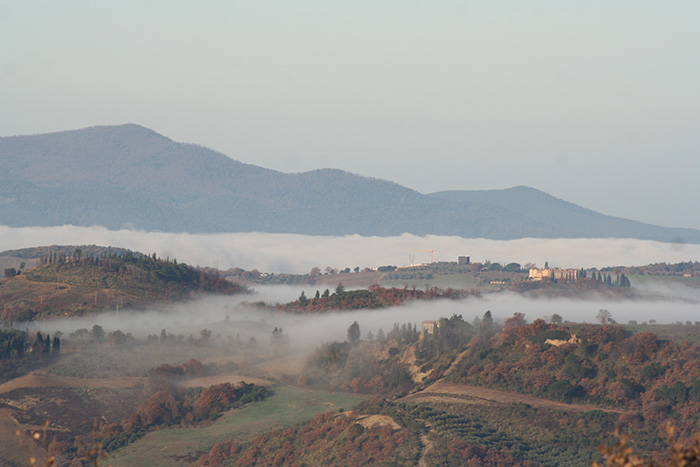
<point x="167" y="403"/>
<point x="327" y="439"/>
<point x="374" y="296"/>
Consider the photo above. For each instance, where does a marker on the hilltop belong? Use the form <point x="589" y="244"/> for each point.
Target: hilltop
<point x="63" y="285"/>
<point x="128" y="176"/>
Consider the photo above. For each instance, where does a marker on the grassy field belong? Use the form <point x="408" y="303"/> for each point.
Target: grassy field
<point x="177" y="446"/>
<point x="456" y="281"/>
<point x="640" y="281"/>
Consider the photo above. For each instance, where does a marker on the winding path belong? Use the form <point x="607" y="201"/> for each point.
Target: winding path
<point x="458" y="393"/>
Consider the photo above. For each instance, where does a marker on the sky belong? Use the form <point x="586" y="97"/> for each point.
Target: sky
<point x="597" y="103"/>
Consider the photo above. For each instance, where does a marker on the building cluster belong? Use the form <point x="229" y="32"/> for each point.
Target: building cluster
<point x="429" y="327"/>
<point x="553" y="274"/>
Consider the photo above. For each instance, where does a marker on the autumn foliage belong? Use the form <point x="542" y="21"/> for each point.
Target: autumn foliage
<point x="166" y="403"/>
<point x="598" y="364"/>
<point x="373" y="297"/>
<point x="327" y="439"/>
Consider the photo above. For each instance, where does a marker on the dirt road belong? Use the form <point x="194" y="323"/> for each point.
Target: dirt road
<point x="458" y="393"/>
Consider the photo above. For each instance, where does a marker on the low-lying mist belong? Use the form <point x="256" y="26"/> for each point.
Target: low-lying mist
<point x="299" y="253"/>
<point x="241" y="317"/>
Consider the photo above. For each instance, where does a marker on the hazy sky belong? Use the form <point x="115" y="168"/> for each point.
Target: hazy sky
<point x="594" y="102"/>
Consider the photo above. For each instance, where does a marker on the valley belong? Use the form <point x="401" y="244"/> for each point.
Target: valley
<point x="199" y="371"/>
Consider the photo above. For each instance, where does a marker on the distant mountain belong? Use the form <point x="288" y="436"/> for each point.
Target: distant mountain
<point x="129" y="176"/>
<point x="567" y="220"/>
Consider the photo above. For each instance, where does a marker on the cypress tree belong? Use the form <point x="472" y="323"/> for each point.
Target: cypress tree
<point x="47" y="345"/>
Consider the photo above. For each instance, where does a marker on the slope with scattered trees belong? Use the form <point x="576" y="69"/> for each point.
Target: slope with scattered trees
<point x="73" y="285"/>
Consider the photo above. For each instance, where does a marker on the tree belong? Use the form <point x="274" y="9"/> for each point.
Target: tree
<point x="604" y="317"/>
<point x="10" y="272"/>
<point x="354" y="332"/>
<point x="118" y="338"/>
<point x="340" y="288"/>
<point x="277" y="334"/>
<point x="97" y="333"/>
<point x="518" y="319"/>
<point x="556" y="319"/>
<point x="303" y="301"/>
<point x="512" y="267"/>
<point x="486" y="326"/>
<point x="624" y="281"/>
<point x="380" y="335"/>
<point x="47" y="344"/>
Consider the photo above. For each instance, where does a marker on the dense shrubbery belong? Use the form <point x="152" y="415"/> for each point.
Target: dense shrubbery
<point x="12" y="343"/>
<point x="450" y="335"/>
<point x="346" y="367"/>
<point x="591" y="363"/>
<point x="327" y="439"/>
<point x="373" y="297"/>
<point x="166" y="403"/>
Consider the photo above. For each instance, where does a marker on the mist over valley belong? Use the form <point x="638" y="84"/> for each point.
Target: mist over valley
<point x="158" y="334"/>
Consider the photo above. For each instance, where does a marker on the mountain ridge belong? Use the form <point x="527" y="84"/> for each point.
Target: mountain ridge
<point x="131" y="176"/>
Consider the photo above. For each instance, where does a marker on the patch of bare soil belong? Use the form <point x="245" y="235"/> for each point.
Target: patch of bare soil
<point x="409" y="358"/>
<point x="15" y="450"/>
<point x="283" y="366"/>
<point x="368" y="421"/>
<point x="427" y="447"/>
<point x="456" y="362"/>
<point x="39" y="379"/>
<point x="456" y="393"/>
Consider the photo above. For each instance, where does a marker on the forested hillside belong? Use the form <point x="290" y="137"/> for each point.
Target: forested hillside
<point x="482" y="394"/>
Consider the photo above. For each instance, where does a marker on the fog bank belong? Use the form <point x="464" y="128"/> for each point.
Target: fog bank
<point x="233" y="318"/>
<point x="292" y="253"/>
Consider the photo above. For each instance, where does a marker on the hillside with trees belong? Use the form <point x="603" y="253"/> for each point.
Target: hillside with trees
<point x="373" y="297"/>
<point x="75" y="284"/>
<point x="576" y="383"/>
